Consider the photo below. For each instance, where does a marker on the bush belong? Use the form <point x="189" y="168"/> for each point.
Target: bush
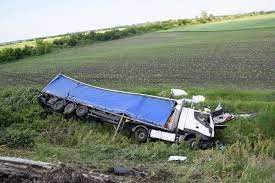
<point x="42" y="47"/>
<point x="19" y="136"/>
<point x="72" y="41"/>
<point x="11" y="54"/>
<point x="7" y="54"/>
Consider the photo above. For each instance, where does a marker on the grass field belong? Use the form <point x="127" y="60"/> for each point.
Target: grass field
<point x="253" y="22"/>
<point x="231" y="59"/>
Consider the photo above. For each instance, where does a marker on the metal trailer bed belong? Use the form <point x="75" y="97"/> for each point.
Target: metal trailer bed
<point x="112" y="105"/>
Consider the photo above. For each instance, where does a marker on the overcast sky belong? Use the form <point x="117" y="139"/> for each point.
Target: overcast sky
<point x="23" y="19"/>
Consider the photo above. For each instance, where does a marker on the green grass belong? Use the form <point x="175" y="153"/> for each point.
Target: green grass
<point x="247" y="157"/>
<point x="253" y="22"/>
<point x="225" y="59"/>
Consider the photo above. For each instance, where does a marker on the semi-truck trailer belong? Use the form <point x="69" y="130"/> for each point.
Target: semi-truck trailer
<point x="145" y="116"/>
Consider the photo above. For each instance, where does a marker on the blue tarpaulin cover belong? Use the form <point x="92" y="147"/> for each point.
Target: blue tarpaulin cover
<point x="148" y="109"/>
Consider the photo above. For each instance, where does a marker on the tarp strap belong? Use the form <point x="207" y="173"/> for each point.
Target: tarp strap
<point x="118" y="126"/>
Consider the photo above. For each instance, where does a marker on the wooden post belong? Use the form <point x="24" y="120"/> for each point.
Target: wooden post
<point x="118" y="126"/>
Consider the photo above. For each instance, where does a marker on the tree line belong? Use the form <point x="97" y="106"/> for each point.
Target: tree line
<point x="81" y="38"/>
<point x="70" y="40"/>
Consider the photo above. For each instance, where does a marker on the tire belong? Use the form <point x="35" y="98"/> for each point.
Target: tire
<point x="193" y="144"/>
<point x="69" y="109"/>
<point x="42" y="101"/>
<point x="58" y="106"/>
<point x="51" y="101"/>
<point x="81" y="111"/>
<point x="141" y="135"/>
<point x="205" y="144"/>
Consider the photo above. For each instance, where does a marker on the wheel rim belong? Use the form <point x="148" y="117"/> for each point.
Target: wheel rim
<point x="141" y="135"/>
<point x="58" y="106"/>
<point x="81" y="111"/>
<point x="69" y="108"/>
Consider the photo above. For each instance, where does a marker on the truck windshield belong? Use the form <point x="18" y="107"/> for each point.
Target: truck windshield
<point x="202" y="118"/>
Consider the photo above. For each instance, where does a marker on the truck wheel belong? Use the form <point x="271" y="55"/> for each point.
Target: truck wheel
<point x="205" y="144"/>
<point x="58" y="106"/>
<point x="51" y="101"/>
<point x="81" y="111"/>
<point x="141" y="135"/>
<point x="193" y="143"/>
<point x="42" y="100"/>
<point x="69" y="108"/>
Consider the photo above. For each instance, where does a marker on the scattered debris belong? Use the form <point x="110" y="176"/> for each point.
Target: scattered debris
<point x="120" y="170"/>
<point x="177" y="158"/>
<point x="246" y="115"/>
<point x="178" y="92"/>
<point x="220" y="117"/>
<point x="198" y="98"/>
<point x="195" y="99"/>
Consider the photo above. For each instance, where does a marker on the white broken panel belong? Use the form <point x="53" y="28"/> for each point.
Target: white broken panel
<point x="178" y="92"/>
<point x="177" y="158"/>
<point x="198" y="98"/>
<point x="163" y="135"/>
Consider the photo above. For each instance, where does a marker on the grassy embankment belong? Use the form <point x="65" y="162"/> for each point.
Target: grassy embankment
<point x="248" y="155"/>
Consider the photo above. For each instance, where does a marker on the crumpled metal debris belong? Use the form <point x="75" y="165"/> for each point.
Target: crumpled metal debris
<point x="177" y="158"/>
<point x="178" y="92"/>
<point x="246" y="115"/>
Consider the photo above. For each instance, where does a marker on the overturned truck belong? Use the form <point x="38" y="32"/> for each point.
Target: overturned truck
<point x="143" y="115"/>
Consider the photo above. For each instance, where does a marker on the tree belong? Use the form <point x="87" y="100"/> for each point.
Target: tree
<point x="18" y="54"/>
<point x="42" y="47"/>
<point x="27" y="50"/>
<point x="72" y="40"/>
<point x="7" y="54"/>
<point x="90" y="36"/>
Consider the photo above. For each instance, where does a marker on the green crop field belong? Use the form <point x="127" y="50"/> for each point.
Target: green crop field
<point x="236" y="58"/>
<point x="235" y="68"/>
<point x="260" y="21"/>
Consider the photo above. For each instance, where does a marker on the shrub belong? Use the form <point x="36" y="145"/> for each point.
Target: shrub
<point x="19" y="136"/>
<point x="42" y="47"/>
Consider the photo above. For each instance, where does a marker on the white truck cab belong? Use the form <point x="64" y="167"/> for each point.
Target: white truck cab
<point x="185" y="122"/>
<point x="196" y="121"/>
